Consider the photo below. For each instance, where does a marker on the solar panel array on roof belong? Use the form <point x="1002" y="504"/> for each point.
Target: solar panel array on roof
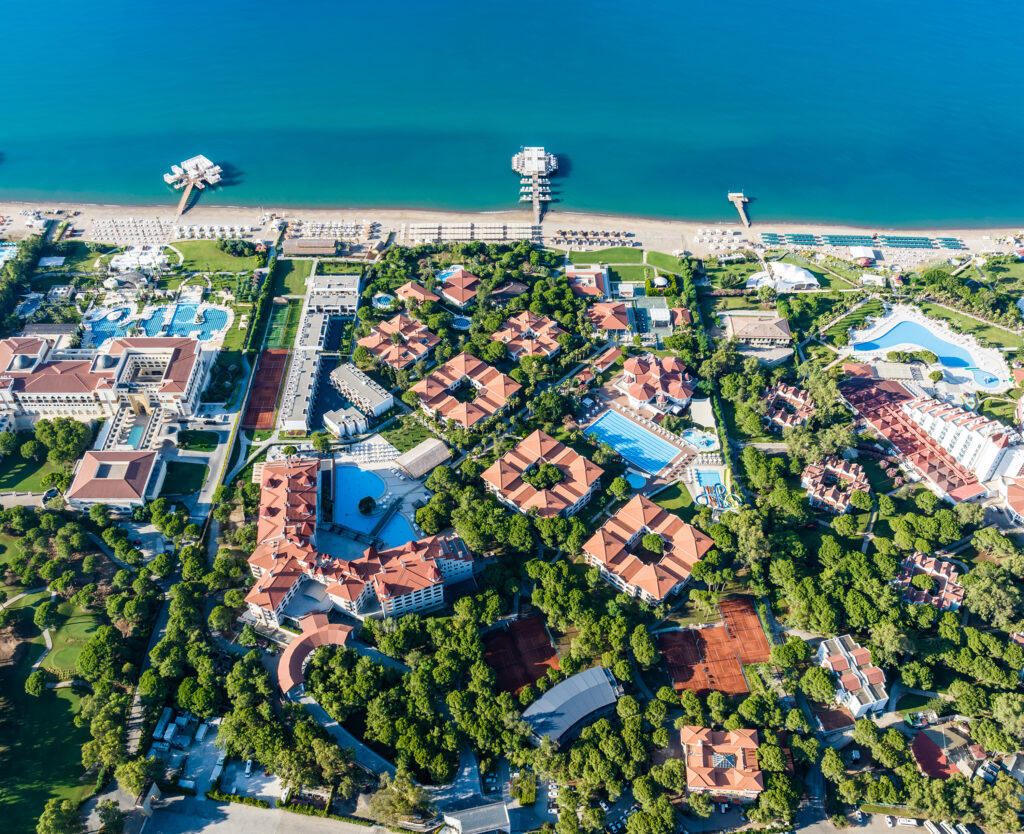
<point x="564" y="706"/>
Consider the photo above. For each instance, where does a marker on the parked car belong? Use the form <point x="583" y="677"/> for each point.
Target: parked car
<point x="890" y="822"/>
<point x="248" y="768"/>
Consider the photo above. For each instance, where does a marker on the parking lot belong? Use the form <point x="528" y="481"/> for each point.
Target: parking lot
<point x="257" y="784"/>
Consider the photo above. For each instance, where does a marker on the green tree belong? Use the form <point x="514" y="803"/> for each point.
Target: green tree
<point x="643" y="646"/>
<point x="33" y="450"/>
<point x="817" y="684"/>
<point x="111" y="816"/>
<point x="221" y="618"/>
<point x="700" y="805"/>
<point x="35" y="684"/>
<point x="133" y="774"/>
<point x="619" y="488"/>
<point x="832" y="767"/>
<point x="653" y="542"/>
<point x="321" y="441"/>
<point x="60" y="816"/>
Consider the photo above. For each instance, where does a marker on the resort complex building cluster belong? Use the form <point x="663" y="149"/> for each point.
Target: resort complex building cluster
<point x="860" y="686"/>
<point x="658" y="385"/>
<point x="439" y="392"/>
<point x="787" y="407"/>
<point x="411" y="291"/>
<point x="528" y="335"/>
<point x="947" y="593"/>
<point x="119" y="479"/>
<point x="458" y="286"/>
<point x="391" y="581"/>
<point x="831" y="483"/>
<point x="722" y="763"/>
<point x="400" y="341"/>
<point x="618" y="550"/>
<point x="577" y="478"/>
<point x="588" y="281"/>
<point x="141" y="373"/>
<point x="610" y="318"/>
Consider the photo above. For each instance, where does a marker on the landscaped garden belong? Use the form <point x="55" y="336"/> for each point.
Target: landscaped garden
<point x="290" y="277"/>
<point x="197" y="441"/>
<point x="614" y="255"/>
<point x="184" y="478"/>
<point x="406" y="432"/>
<point x="18" y="474"/>
<point x="207" y="256"/>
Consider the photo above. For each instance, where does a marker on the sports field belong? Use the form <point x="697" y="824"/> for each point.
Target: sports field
<point x="259" y="414"/>
<point x="520" y="654"/>
<point x="713" y="657"/>
<point x="284" y="324"/>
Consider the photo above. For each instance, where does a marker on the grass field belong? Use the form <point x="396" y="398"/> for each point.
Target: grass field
<point x="338" y="268"/>
<point x="69" y="637"/>
<point x="731" y="276"/>
<point x="637" y="273"/>
<point x="856" y="319"/>
<point x="290" y="277"/>
<point x="80" y="259"/>
<point x="676" y="499"/>
<point x="20" y="475"/>
<point x="184" y="478"/>
<point x="405" y="433"/>
<point x="197" y="441"/>
<point x="614" y="255"/>
<point x="994" y="335"/>
<point x="40" y="747"/>
<point x="670" y="263"/>
<point x="999" y="408"/>
<point x="207" y="256"/>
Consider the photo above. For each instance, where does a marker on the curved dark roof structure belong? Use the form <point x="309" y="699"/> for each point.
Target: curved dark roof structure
<point x="563" y="707"/>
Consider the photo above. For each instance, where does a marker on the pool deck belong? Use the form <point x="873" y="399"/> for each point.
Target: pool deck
<point x="132" y="319"/>
<point x="666" y="475"/>
<point x="988" y="360"/>
<point x="376" y="455"/>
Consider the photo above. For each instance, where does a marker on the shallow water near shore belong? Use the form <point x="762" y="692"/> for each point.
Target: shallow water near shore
<point x="874" y="112"/>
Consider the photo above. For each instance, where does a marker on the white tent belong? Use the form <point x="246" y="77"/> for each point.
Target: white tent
<point x="783" y="277"/>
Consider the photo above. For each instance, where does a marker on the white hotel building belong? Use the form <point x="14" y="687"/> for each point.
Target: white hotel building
<point x="977" y="443"/>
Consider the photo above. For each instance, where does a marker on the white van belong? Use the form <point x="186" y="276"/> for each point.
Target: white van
<point x="932" y="827"/>
<point x="248" y="772"/>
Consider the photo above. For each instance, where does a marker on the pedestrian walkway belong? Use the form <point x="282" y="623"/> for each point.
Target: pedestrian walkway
<point x="363" y="755"/>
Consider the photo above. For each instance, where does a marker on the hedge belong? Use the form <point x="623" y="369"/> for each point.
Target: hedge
<point x="213" y="793"/>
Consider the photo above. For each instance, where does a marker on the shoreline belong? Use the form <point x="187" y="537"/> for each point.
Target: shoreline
<point x="550" y="215"/>
<point x="645" y="233"/>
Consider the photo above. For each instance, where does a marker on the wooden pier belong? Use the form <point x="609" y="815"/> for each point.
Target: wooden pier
<point x="738" y="199"/>
<point x="534" y="165"/>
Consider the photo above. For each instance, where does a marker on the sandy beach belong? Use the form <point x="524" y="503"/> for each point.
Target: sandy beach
<point x="652" y="233"/>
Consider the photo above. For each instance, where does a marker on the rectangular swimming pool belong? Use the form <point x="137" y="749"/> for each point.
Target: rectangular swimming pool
<point x="135" y="436"/>
<point x="640" y="446"/>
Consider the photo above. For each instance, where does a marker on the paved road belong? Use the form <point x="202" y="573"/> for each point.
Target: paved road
<point x="363" y="754"/>
<point x="464" y="787"/>
<point x="187" y="815"/>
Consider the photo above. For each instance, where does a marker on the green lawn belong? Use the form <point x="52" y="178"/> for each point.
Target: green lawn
<point x="670" y="263"/>
<point x="880" y="482"/>
<point x="994" y="335"/>
<point x="70" y="637"/>
<point x="20" y="475"/>
<point x="1005" y="278"/>
<point x="338" y="268"/>
<point x="405" y="433"/>
<point x="197" y="441"/>
<point x="731" y="276"/>
<point x="40" y="747"/>
<point x="184" y="478"/>
<point x="676" y="499"/>
<point x="911" y="703"/>
<point x="80" y="259"/>
<point x="999" y="408"/>
<point x="631" y="273"/>
<point x="290" y="277"/>
<point x="855" y="319"/>
<point x="207" y="256"/>
<point x="614" y="255"/>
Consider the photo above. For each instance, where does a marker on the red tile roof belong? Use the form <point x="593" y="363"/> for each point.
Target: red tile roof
<point x="112" y="477"/>
<point x="609" y="316"/>
<point x="316" y="631"/>
<point x="400" y="341"/>
<point x="721" y="762"/>
<point x="493" y="390"/>
<point x="578" y="475"/>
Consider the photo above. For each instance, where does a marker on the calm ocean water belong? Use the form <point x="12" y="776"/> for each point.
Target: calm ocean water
<point x="903" y="113"/>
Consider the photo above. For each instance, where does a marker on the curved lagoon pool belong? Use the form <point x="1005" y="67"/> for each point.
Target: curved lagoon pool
<point x="911" y="333"/>
<point x="352" y="483"/>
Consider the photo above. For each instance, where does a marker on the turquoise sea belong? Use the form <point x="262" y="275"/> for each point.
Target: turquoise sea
<point x="879" y="112"/>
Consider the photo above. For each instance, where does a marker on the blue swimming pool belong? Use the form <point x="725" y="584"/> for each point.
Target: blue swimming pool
<point x="352" y="483"/>
<point x="700" y="440"/>
<point x="911" y="333"/>
<point x="445" y="274"/>
<point x="183" y="323"/>
<point x="135" y="436"/>
<point x="712" y="487"/>
<point x="637" y="445"/>
<point x="636" y="480"/>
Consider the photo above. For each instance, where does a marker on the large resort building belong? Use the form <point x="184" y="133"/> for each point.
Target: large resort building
<point x="860" y="686"/>
<point x="120" y="479"/>
<point x="392" y="581"/>
<point x="831" y="483"/>
<point x="787" y="407"/>
<point x="458" y="287"/>
<point x="658" y="385"/>
<point x="580" y="478"/>
<point x="610" y="319"/>
<point x="400" y="341"/>
<point x="438" y="392"/>
<point x="145" y="374"/>
<point x="721" y="763"/>
<point x="954" y="450"/>
<point x="947" y="593"/>
<point x="616" y="549"/>
<point x="528" y="335"/>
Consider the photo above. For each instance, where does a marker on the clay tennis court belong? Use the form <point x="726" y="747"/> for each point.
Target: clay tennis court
<point x="259" y="414"/>
<point x="520" y="654"/>
<point x="713" y="657"/>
